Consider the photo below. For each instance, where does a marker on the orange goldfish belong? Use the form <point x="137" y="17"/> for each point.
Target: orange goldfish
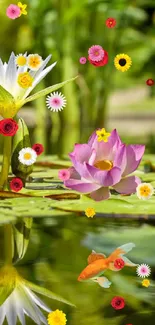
<point x="98" y="263"/>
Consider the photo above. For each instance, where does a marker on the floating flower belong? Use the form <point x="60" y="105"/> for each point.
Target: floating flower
<point x="34" y="62"/>
<point x="146" y="283"/>
<point x="97" y="56"/>
<point x="143" y="270"/>
<point x="118" y="303"/>
<point x="27" y="156"/>
<point x="100" y="165"/>
<point x="21" y="60"/>
<point x="122" y="62"/>
<point x="56" y="102"/>
<point x="25" y="80"/>
<point x="38" y="148"/>
<point x="110" y="22"/>
<point x="83" y="60"/>
<point x="16" y="184"/>
<point x="64" y="174"/>
<point x="57" y="317"/>
<point x="22" y="8"/>
<point x="90" y="212"/>
<point x="144" y="191"/>
<point x="150" y="82"/>
<point x="13" y="11"/>
<point x="102" y="135"/>
<point x="8" y="127"/>
<point x="119" y="263"/>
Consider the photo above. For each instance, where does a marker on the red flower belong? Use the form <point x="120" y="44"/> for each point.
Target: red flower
<point x="150" y="82"/>
<point x="100" y="63"/>
<point x="119" y="263"/>
<point x="118" y="303"/>
<point x="8" y="127"/>
<point x="16" y="184"/>
<point x="110" y="22"/>
<point x="38" y="148"/>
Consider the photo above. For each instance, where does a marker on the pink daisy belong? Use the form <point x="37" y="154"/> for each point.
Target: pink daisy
<point x="13" y="11"/>
<point x="64" y="174"/>
<point x="143" y="270"/>
<point x="83" y="60"/>
<point x="96" y="53"/>
<point x="55" y="102"/>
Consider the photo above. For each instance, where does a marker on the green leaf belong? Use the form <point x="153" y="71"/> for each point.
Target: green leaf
<point x="47" y="90"/>
<point x="21" y="234"/>
<point x="47" y="293"/>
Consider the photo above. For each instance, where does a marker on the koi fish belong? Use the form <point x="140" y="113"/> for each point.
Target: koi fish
<point x="98" y="263"/>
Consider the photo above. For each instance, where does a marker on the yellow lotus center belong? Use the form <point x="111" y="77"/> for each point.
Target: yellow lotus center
<point x="25" y="80"/>
<point x="104" y="164"/>
<point x="34" y="61"/>
<point x="145" y="191"/>
<point x="21" y="61"/>
<point x="27" y="156"/>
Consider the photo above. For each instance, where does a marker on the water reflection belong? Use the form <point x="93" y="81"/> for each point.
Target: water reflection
<point x="58" y="251"/>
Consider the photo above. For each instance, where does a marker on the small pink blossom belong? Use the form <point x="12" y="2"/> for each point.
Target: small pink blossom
<point x="96" y="53"/>
<point x="83" y="60"/>
<point x="64" y="174"/>
<point x="13" y="11"/>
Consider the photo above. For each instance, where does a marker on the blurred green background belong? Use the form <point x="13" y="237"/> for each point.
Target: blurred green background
<point x="101" y="96"/>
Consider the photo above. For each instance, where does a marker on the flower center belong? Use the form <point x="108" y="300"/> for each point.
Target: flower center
<point x="145" y="191"/>
<point x="21" y="61"/>
<point x="25" y="80"/>
<point x="27" y="156"/>
<point x="8" y="276"/>
<point x="122" y="62"/>
<point x="104" y="164"/>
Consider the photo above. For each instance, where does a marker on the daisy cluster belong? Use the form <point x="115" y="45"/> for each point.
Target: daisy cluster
<point x="144" y="271"/>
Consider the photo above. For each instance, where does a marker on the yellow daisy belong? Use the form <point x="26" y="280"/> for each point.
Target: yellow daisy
<point x="90" y="212"/>
<point x="34" y="62"/>
<point x="144" y="191"/>
<point x="57" y="317"/>
<point x="102" y="135"/>
<point x="122" y="62"/>
<point x="22" y="7"/>
<point x="25" y="80"/>
<point x="146" y="283"/>
<point x="20" y="60"/>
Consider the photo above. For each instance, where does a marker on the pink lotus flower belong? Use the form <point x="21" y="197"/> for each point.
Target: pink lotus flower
<point x="13" y="11"/>
<point x="100" y="165"/>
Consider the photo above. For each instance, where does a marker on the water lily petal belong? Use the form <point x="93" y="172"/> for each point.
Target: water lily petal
<point x="100" y="194"/>
<point x="2" y="74"/>
<point x="73" y="173"/>
<point x="108" y="178"/>
<point x="11" y="74"/>
<point x="37" y="300"/>
<point x="134" y="155"/>
<point x="11" y="315"/>
<point x="127" y="185"/>
<point x="92" y="157"/>
<point x="81" y="186"/>
<point x="120" y="159"/>
<point x="81" y="153"/>
<point x="2" y="314"/>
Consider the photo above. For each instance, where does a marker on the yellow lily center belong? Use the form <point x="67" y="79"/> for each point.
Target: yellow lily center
<point x="104" y="164"/>
<point x="27" y="156"/>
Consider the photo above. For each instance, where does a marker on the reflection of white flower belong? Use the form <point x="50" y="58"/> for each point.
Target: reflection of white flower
<point x="27" y="156"/>
<point x="22" y="301"/>
<point x="56" y="102"/>
<point x="143" y="270"/>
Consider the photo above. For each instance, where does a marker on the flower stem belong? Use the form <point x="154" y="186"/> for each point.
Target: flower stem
<point x="6" y="161"/>
<point x="8" y="243"/>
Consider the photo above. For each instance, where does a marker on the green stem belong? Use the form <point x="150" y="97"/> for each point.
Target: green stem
<point x="8" y="243"/>
<point x="6" y="161"/>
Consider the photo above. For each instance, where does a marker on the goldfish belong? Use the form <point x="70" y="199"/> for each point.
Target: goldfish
<point x="98" y="263"/>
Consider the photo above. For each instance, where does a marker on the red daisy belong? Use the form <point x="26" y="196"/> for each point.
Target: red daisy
<point x="100" y="63"/>
<point x="118" y="303"/>
<point x="8" y="127"/>
<point x="110" y="22"/>
<point x="119" y="263"/>
<point x="16" y="184"/>
<point x="150" y="82"/>
<point x="38" y="148"/>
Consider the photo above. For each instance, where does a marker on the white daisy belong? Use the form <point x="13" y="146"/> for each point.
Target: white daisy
<point x="21" y="60"/>
<point x="143" y="270"/>
<point x="34" y="62"/>
<point x="56" y="102"/>
<point x="144" y="191"/>
<point x="27" y="156"/>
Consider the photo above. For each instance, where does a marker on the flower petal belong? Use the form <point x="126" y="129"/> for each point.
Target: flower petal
<point x="134" y="155"/>
<point x="120" y="158"/>
<point x="81" y="186"/>
<point x="100" y="194"/>
<point x="108" y="178"/>
<point x="81" y="153"/>
<point x="10" y="75"/>
<point x="127" y="185"/>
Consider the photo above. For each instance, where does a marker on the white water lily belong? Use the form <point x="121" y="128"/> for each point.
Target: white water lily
<point x="12" y="95"/>
<point x="17" y="298"/>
